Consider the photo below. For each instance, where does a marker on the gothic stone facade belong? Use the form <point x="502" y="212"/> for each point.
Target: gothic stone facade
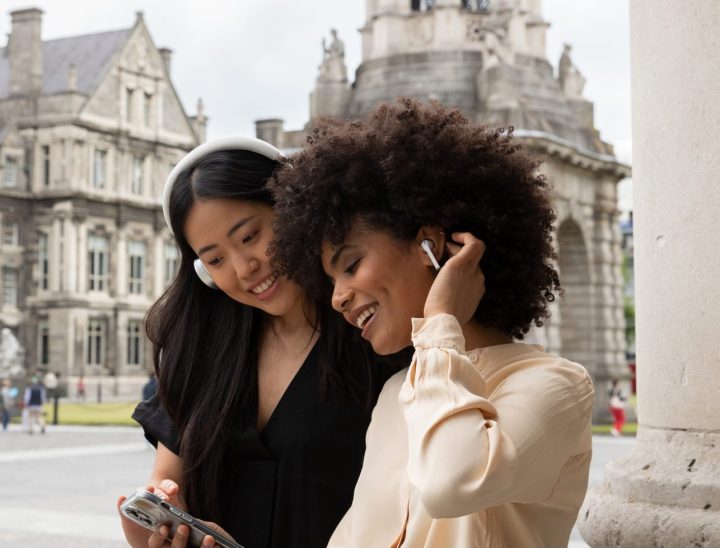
<point x="488" y="58"/>
<point x="90" y="126"/>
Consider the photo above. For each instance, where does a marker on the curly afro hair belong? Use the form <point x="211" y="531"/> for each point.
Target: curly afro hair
<point x="408" y="165"/>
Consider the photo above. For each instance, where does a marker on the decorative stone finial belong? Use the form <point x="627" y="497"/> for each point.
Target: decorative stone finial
<point x="72" y="77"/>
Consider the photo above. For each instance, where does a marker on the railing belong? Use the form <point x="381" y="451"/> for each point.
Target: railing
<point x="476" y="5"/>
<point x="470" y="5"/>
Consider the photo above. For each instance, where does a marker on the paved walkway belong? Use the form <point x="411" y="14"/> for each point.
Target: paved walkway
<point x="58" y="490"/>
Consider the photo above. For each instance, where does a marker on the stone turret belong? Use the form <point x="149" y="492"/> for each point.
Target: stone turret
<point x="25" y="52"/>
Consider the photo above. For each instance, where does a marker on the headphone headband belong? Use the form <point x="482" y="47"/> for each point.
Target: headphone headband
<point x="250" y="144"/>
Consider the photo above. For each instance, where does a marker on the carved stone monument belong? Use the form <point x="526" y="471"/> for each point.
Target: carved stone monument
<point x="11" y="355"/>
<point x="332" y="91"/>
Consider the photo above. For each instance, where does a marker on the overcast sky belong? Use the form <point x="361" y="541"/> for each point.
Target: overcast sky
<point x="252" y="59"/>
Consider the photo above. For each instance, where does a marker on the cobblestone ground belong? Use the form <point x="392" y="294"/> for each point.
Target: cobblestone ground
<point x="58" y="490"/>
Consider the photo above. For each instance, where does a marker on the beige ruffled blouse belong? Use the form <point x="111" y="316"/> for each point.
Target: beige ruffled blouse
<point x="486" y="448"/>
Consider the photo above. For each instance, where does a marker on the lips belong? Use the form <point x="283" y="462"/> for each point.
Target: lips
<point x="362" y="315"/>
<point x="264" y="285"/>
<point x="365" y="316"/>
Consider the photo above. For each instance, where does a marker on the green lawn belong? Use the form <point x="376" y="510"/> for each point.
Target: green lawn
<point x="97" y="414"/>
<point x="118" y="414"/>
<point x="630" y="429"/>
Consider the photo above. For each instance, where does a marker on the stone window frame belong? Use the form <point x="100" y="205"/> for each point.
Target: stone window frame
<point x="100" y="176"/>
<point x="10" y="286"/>
<point x="43" y="342"/>
<point x="10" y="233"/>
<point x="134" y="343"/>
<point x="96" y="342"/>
<point x="171" y="256"/>
<point x="137" y="263"/>
<point x="98" y="262"/>
<point x="147" y="109"/>
<point x="129" y="103"/>
<point x="43" y="261"/>
<point x="137" y="174"/>
<point x="45" y="156"/>
<point x="11" y="171"/>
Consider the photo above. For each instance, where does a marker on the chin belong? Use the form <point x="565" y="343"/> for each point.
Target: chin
<point x="385" y="348"/>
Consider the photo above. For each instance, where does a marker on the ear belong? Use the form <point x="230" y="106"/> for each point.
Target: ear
<point x="437" y="237"/>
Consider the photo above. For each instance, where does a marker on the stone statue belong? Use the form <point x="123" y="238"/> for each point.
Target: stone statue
<point x="571" y="81"/>
<point x="332" y="68"/>
<point x="11" y="355"/>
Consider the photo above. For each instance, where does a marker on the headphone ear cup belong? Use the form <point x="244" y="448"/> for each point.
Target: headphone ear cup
<point x="203" y="274"/>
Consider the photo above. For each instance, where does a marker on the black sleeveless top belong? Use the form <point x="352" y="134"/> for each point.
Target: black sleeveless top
<point x="289" y="485"/>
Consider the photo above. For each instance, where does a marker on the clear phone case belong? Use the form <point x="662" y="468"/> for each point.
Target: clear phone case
<point x="150" y="511"/>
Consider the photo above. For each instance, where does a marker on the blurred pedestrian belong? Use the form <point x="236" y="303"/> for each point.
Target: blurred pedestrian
<point x="618" y="401"/>
<point x="6" y="401"/>
<point x="80" y="390"/>
<point x="35" y="398"/>
<point x="150" y="387"/>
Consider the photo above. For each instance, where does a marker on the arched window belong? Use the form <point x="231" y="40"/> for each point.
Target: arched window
<point x="421" y="5"/>
<point x="476" y="5"/>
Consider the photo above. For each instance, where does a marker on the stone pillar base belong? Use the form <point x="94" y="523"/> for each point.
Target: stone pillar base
<point x="665" y="494"/>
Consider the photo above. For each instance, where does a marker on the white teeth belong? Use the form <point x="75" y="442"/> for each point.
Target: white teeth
<point x="365" y="315"/>
<point x="265" y="285"/>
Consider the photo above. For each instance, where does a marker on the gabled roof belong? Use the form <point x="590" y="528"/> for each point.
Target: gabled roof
<point x="90" y="53"/>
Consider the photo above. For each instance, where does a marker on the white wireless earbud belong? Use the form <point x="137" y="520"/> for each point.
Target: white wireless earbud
<point x="203" y="274"/>
<point x="427" y="246"/>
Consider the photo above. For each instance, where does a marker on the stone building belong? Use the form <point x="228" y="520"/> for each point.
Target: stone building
<point x="90" y="126"/>
<point x="488" y="58"/>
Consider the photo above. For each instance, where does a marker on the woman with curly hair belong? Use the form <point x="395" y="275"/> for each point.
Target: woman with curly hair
<point x="482" y="441"/>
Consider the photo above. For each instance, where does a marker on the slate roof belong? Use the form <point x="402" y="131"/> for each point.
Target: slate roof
<point x="90" y="53"/>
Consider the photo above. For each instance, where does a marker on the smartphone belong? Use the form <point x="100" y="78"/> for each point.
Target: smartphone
<point x="152" y="512"/>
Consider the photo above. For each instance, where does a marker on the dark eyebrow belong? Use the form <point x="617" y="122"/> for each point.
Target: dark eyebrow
<point x="230" y="232"/>
<point x="237" y="225"/>
<point x="340" y="250"/>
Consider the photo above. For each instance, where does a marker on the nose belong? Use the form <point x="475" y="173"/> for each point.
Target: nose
<point x="244" y="265"/>
<point x="341" y="298"/>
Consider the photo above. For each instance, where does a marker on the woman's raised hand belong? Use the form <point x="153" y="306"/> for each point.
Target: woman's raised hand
<point x="460" y="284"/>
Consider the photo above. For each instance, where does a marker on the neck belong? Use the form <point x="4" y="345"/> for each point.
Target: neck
<point x="478" y="336"/>
<point x="295" y="323"/>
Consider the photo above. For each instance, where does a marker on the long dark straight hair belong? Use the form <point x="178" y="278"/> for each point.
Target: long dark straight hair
<point x="205" y="343"/>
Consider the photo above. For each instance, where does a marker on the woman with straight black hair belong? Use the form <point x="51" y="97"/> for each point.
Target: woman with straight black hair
<point x="264" y="394"/>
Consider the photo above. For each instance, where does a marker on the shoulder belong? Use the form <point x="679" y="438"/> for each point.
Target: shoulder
<point x="546" y="379"/>
<point x="391" y="389"/>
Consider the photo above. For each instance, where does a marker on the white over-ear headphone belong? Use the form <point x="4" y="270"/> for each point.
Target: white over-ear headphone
<point x="193" y="157"/>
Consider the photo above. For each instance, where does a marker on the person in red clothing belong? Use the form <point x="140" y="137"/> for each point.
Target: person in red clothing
<point x="617" y="407"/>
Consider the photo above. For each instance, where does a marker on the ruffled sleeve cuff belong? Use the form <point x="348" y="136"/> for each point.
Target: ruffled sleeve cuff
<point x="438" y="331"/>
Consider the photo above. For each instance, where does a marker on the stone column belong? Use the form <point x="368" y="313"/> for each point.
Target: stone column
<point x="71" y="254"/>
<point x="55" y="256"/>
<point x="667" y="491"/>
<point x="608" y="309"/>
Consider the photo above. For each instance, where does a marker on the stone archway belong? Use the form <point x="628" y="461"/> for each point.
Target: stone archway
<point x="576" y="330"/>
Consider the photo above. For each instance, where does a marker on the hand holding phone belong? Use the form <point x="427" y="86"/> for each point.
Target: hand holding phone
<point x="150" y="511"/>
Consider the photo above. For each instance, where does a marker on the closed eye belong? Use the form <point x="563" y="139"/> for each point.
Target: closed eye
<point x="353" y="267"/>
<point x="249" y="237"/>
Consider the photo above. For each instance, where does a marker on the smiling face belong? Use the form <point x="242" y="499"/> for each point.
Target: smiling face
<point x="231" y="238"/>
<point x="380" y="284"/>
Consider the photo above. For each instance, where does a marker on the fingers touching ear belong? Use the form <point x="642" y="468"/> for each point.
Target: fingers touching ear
<point x="436" y="238"/>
